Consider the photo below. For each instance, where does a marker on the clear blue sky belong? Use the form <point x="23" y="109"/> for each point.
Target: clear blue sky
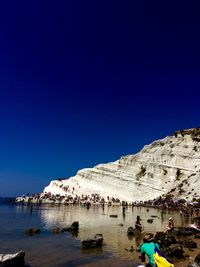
<point x="86" y="82"/>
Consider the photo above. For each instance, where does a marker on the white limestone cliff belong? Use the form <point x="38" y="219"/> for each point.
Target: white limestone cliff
<point x="170" y="165"/>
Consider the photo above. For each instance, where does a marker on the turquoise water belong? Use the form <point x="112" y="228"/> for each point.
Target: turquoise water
<point x="63" y="249"/>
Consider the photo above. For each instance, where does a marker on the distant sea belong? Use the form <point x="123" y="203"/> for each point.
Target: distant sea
<point x="55" y="250"/>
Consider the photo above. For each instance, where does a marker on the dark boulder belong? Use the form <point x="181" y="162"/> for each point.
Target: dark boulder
<point x="133" y="233"/>
<point x="56" y="230"/>
<point x="174" y="251"/>
<point x="181" y="231"/>
<point x="12" y="260"/>
<point x="32" y="231"/>
<point x="113" y="216"/>
<point x="193" y="230"/>
<point x="75" y="226"/>
<point x="73" y="229"/>
<point x="164" y="239"/>
<point x="150" y="220"/>
<point x="97" y="241"/>
<point x="188" y="243"/>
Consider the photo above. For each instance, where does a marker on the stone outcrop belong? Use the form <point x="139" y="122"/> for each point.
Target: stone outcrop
<point x="170" y="165"/>
<point x="32" y="231"/>
<point x="97" y="241"/>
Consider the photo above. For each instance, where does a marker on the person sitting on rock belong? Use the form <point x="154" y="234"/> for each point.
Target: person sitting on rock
<point x="170" y="226"/>
<point x="138" y="225"/>
<point x="148" y="248"/>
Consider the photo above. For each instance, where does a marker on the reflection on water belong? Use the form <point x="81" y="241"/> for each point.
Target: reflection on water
<point x="48" y="249"/>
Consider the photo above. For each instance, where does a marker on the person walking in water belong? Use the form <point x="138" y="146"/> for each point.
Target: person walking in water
<point x="138" y="225"/>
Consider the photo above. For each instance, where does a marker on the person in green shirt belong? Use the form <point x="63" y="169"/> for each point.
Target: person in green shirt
<point x="148" y="248"/>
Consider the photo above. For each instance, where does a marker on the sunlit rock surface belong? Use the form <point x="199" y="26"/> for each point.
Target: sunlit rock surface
<point x="170" y="165"/>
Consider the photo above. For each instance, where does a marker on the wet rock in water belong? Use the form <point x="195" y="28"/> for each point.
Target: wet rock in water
<point x="74" y="228"/>
<point x="113" y="216"/>
<point x="150" y="220"/>
<point x="15" y="260"/>
<point x="32" y="231"/>
<point x="193" y="230"/>
<point x="174" y="251"/>
<point x="133" y="232"/>
<point x="181" y="231"/>
<point x="189" y="243"/>
<point x="164" y="239"/>
<point x="97" y="241"/>
<point x="56" y="230"/>
<point x="130" y="231"/>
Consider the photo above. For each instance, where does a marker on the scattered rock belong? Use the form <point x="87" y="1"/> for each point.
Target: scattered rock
<point x="73" y="229"/>
<point x="132" y="231"/>
<point x="75" y="226"/>
<point x="93" y="243"/>
<point x="189" y="243"/>
<point x="164" y="239"/>
<point x="181" y="231"/>
<point x="32" y="231"/>
<point x="174" y="251"/>
<point x="14" y="260"/>
<point x="56" y="230"/>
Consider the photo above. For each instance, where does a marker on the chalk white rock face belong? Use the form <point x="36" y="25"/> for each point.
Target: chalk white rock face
<point x="168" y="165"/>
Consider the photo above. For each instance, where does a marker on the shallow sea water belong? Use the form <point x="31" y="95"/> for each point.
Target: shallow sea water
<point x="55" y="250"/>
